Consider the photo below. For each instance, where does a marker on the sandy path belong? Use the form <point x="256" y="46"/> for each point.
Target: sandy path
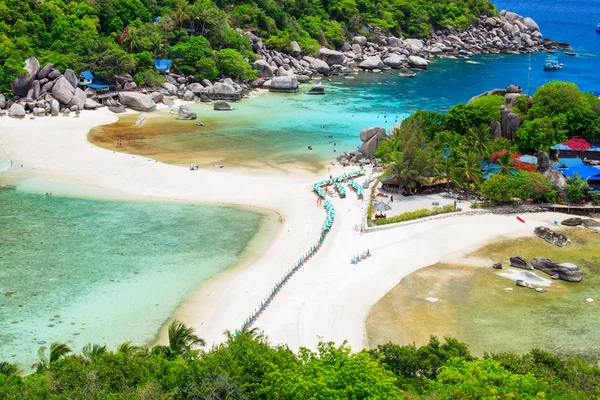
<point x="329" y="297"/>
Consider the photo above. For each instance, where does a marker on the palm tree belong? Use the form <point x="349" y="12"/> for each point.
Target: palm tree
<point x="8" y="369"/>
<point x="130" y="39"/>
<point x="129" y="349"/>
<point x="468" y="169"/>
<point x="182" y="338"/>
<point x="93" y="350"/>
<point x="181" y="11"/>
<point x="506" y="162"/>
<point x="57" y="351"/>
<point x="478" y="138"/>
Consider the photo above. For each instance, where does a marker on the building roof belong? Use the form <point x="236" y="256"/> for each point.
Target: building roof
<point x="100" y="85"/>
<point x="87" y="74"/>
<point x="527" y="159"/>
<point x="561" y="146"/>
<point x="584" y="171"/>
<point x="567" y="162"/>
<point x="162" y="63"/>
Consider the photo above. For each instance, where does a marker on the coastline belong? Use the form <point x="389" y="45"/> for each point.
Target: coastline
<point x="328" y="298"/>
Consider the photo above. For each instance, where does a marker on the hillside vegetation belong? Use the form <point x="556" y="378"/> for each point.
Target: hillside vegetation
<point x="246" y="366"/>
<point x="123" y="36"/>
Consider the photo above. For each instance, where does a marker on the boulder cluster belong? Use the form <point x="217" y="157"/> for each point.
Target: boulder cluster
<point x="506" y="33"/>
<point x="371" y="138"/>
<point x="45" y="91"/>
<point x="565" y="271"/>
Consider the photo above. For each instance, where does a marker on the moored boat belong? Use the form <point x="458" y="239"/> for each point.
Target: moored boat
<point x="552" y="64"/>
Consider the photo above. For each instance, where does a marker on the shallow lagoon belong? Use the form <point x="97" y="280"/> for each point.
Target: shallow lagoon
<point x="82" y="271"/>
<point x="274" y="130"/>
<point x="475" y="307"/>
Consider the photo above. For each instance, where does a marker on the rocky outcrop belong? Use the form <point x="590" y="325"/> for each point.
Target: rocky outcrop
<point x="78" y="99"/>
<point x="417" y="62"/>
<point x="572" y="222"/>
<point x="520" y="262"/>
<point x="188" y="95"/>
<point x="296" y="50"/>
<point x="63" y="91"/>
<point x="21" y="86"/>
<point x="184" y="113"/>
<point x="317" y="65"/>
<point x="16" y="111"/>
<point x="286" y="84"/>
<point x="372" y="138"/>
<point x="71" y="77"/>
<point x="317" y="89"/>
<point x="221" y="105"/>
<point x="591" y="223"/>
<point x="510" y="122"/>
<point x="54" y="108"/>
<point x="555" y="177"/>
<point x="2" y="101"/>
<point x="331" y="57"/>
<point x="371" y="63"/>
<point x="91" y="104"/>
<point x="565" y="271"/>
<point x="137" y="101"/>
<point x="394" y="61"/>
<point x="495" y="129"/>
<point x="550" y="236"/>
<point x="263" y="68"/>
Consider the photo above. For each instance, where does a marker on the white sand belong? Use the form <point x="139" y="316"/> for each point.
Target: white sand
<point x="328" y="298"/>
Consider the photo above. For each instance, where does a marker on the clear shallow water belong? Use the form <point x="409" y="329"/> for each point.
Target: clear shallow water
<point x="82" y="271"/>
<point x="274" y="130"/>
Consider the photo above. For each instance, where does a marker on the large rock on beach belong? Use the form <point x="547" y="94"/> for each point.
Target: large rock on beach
<point x="550" y="236"/>
<point x="54" y="74"/>
<point x="78" y="99"/>
<point x="415" y="45"/>
<point x="372" y="138"/>
<point x="318" y="65"/>
<point x="62" y="90"/>
<point x="54" y="108"/>
<point x="331" y="57"/>
<point x="2" y="101"/>
<point x="373" y="62"/>
<point x="44" y="72"/>
<point x="137" y="101"/>
<point x="91" y="104"/>
<point x="71" y="77"/>
<point x="188" y="95"/>
<point x="417" y="62"/>
<point x="520" y="262"/>
<point x="16" y="110"/>
<point x="156" y="97"/>
<point x="21" y="85"/>
<point x="393" y="61"/>
<point x="575" y="221"/>
<point x="263" y="68"/>
<point x="360" y="40"/>
<point x="368" y="133"/>
<point x="565" y="271"/>
<point x="284" y="84"/>
<point x="296" y="50"/>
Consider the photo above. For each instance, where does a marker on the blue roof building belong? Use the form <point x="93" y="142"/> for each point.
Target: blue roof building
<point x="87" y="79"/>
<point x="563" y="151"/>
<point x="162" y="65"/>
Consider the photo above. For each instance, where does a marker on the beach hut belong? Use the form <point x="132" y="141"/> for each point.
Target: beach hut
<point x="162" y="65"/>
<point x="88" y="80"/>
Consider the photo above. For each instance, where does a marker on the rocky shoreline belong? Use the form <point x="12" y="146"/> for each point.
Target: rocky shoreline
<point x="45" y="91"/>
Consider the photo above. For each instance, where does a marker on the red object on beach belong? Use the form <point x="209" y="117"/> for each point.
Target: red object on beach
<point x="520" y="219"/>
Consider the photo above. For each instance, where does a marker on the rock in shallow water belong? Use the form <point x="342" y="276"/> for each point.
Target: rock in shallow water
<point x="565" y="271"/>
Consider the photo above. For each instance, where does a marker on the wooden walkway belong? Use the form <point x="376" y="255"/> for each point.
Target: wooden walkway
<point x="571" y="208"/>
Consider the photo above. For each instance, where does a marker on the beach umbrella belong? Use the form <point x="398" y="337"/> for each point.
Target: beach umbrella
<point x="381" y="206"/>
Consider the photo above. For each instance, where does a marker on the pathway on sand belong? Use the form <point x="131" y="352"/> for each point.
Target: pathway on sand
<point x="329" y="297"/>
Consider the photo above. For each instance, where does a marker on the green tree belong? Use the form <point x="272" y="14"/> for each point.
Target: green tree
<point x="57" y="351"/>
<point x="539" y="135"/>
<point x="499" y="188"/>
<point x="232" y="64"/>
<point x="8" y="369"/>
<point x="182" y="339"/>
<point x="555" y="98"/>
<point x="576" y="189"/>
<point x="468" y="169"/>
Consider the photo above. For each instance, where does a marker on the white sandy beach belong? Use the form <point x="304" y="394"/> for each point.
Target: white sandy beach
<point x="328" y="297"/>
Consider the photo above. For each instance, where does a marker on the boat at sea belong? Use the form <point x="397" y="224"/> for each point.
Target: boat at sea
<point x="552" y="64"/>
<point x="570" y="53"/>
<point x="598" y="28"/>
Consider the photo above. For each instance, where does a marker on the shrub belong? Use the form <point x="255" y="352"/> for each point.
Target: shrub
<point x="409" y="216"/>
<point x="232" y="64"/>
<point x="148" y="78"/>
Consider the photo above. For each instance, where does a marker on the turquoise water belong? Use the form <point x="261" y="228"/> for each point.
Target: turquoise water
<point x="275" y="129"/>
<point x="82" y="271"/>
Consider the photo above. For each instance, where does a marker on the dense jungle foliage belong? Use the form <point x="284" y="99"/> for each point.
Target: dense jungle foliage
<point x="119" y="36"/>
<point x="247" y="366"/>
<point x="457" y="145"/>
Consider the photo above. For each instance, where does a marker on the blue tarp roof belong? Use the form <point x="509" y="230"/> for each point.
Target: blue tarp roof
<point x="87" y="75"/>
<point x="567" y="162"/>
<point x="100" y="85"/>
<point x="527" y="159"/>
<point x="584" y="171"/>
<point x="162" y="63"/>
<point x="561" y="146"/>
